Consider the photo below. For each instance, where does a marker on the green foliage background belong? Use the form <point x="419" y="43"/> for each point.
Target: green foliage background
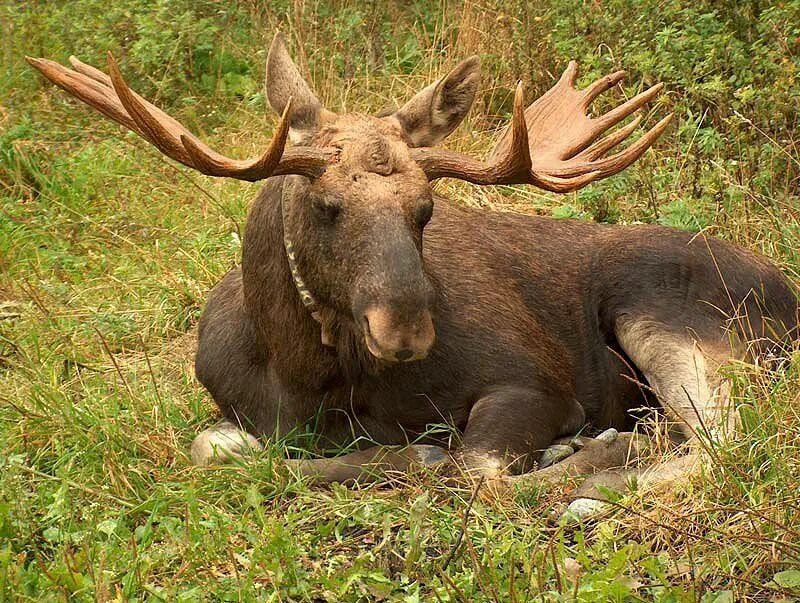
<point x="107" y="252"/>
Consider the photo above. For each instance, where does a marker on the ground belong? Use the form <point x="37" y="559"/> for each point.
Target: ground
<point x="108" y="251"/>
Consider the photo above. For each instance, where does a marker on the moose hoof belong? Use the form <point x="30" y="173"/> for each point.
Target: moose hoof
<point x="566" y="447"/>
<point x="555" y="453"/>
<point x="592" y="497"/>
<point x="223" y="443"/>
<point x="429" y="456"/>
<point x="609" y="436"/>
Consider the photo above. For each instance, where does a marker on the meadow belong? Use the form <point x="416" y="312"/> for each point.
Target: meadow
<point x="108" y="251"/>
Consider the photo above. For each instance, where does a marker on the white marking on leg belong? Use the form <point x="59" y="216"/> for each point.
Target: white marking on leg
<point x="680" y="374"/>
<point x="428" y="455"/>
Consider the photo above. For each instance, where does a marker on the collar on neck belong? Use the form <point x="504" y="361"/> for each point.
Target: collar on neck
<point x="306" y="297"/>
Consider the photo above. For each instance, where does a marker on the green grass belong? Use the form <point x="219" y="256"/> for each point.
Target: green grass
<point x="108" y="251"/>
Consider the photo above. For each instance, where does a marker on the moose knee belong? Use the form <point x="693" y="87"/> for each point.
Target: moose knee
<point x="509" y="428"/>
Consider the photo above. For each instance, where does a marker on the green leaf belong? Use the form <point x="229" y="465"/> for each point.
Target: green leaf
<point x="723" y="596"/>
<point x="788" y="579"/>
<point x="108" y="527"/>
<point x="253" y="496"/>
<point x="52" y="534"/>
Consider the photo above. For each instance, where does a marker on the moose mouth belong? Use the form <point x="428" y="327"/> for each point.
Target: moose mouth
<point x="397" y="341"/>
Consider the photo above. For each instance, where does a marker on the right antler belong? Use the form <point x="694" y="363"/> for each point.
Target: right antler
<point x="114" y="99"/>
<point x="553" y="144"/>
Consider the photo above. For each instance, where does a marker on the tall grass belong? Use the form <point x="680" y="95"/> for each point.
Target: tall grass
<point x="107" y="253"/>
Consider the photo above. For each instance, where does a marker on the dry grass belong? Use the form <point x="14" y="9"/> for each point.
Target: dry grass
<point x="107" y="252"/>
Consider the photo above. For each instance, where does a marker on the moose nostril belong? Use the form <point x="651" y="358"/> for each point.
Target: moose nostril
<point x="403" y="354"/>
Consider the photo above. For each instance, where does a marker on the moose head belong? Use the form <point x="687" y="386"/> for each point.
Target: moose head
<point x="359" y="198"/>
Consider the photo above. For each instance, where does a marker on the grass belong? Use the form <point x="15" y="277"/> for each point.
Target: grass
<point x="108" y="251"/>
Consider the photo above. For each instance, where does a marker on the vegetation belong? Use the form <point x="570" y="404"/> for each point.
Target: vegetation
<point x="108" y="251"/>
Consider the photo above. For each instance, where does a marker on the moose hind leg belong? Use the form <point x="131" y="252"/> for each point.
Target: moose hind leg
<point x="682" y="372"/>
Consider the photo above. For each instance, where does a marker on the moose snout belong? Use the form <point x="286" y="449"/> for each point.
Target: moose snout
<point x="395" y="338"/>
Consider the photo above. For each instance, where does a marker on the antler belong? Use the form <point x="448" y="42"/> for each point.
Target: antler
<point x="553" y="144"/>
<point x="114" y="99"/>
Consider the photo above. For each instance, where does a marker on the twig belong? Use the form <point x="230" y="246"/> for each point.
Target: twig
<point x="113" y="361"/>
<point x="460" y="535"/>
<point x="459" y="593"/>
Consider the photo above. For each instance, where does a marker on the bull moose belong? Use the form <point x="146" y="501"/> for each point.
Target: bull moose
<point x="361" y="310"/>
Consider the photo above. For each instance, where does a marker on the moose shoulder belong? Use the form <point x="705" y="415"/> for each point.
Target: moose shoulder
<point x="365" y="312"/>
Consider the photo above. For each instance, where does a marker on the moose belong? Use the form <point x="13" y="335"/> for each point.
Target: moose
<point x="367" y="308"/>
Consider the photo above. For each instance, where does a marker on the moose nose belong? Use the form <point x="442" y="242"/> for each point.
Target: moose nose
<point x="396" y="339"/>
<point x="404" y="354"/>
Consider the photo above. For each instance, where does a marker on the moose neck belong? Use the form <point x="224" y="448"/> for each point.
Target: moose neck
<point x="273" y="300"/>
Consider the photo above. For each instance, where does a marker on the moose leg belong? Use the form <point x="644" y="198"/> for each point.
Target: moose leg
<point x="235" y="368"/>
<point x="223" y="443"/>
<point x="683" y="374"/>
<point x="609" y="450"/>
<point x="368" y="465"/>
<point x="509" y="427"/>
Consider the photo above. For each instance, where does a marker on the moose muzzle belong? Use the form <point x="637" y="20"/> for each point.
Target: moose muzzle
<point x="393" y="337"/>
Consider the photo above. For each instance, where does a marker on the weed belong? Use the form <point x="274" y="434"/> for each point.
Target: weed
<point x="108" y="251"/>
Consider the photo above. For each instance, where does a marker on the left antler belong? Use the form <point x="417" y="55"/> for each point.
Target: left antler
<point x="112" y="97"/>
<point x="553" y="144"/>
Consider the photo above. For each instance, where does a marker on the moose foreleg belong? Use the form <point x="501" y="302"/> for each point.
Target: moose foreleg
<point x="223" y="443"/>
<point x="226" y="443"/>
<point x="368" y="465"/>
<point x="609" y="450"/>
<point x="510" y="427"/>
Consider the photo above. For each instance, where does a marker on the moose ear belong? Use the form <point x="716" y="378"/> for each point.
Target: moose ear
<point x="283" y="82"/>
<point x="435" y="111"/>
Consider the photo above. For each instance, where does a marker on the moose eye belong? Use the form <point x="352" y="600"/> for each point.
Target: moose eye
<point x="326" y="209"/>
<point x="423" y="211"/>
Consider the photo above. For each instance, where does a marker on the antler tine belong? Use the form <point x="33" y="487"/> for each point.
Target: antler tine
<point x="567" y="79"/>
<point x="112" y="96"/>
<point x="619" y="161"/>
<point x="90" y="91"/>
<point x="209" y="162"/>
<point x="597" y="87"/>
<point x="157" y="127"/>
<point x="556" y="184"/>
<point x="596" y="149"/>
<point x="516" y="162"/>
<point x="616" y="115"/>
<point x="89" y="71"/>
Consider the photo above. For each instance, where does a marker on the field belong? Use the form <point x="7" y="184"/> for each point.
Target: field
<point x="108" y="251"/>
